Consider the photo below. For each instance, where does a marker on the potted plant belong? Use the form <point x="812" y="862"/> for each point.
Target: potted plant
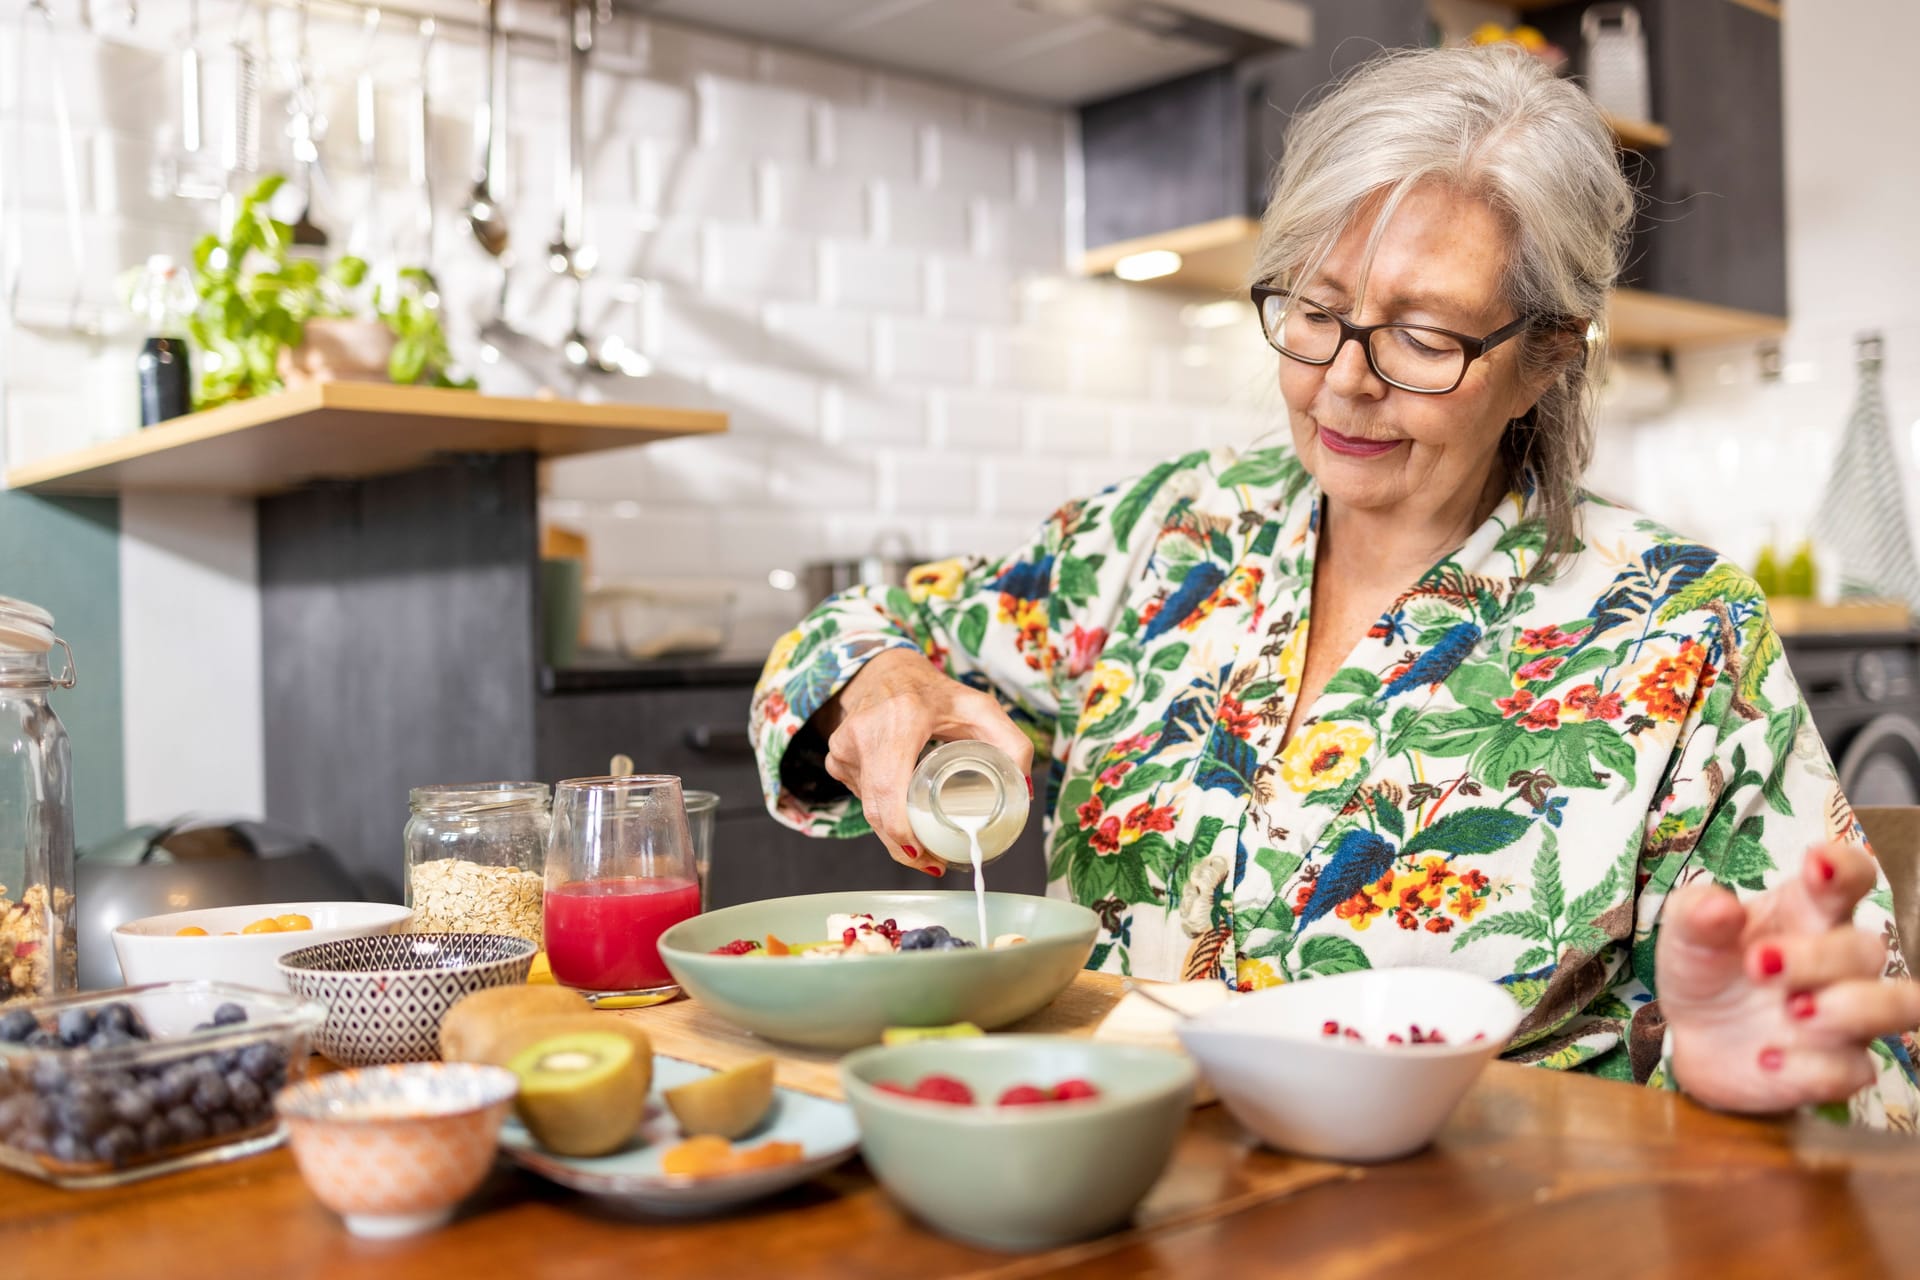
<point x="266" y="320"/>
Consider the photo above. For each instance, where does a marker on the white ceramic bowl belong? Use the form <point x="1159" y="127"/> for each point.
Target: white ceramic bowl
<point x="150" y="950"/>
<point x="1299" y="1089"/>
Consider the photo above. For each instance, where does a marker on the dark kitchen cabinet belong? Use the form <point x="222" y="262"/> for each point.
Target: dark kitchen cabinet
<point x="1713" y="228"/>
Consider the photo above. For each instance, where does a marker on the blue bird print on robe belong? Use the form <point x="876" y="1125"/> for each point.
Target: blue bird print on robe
<point x="1358" y="860"/>
<point x="1201" y="581"/>
<point x="1437" y="663"/>
<point x="1027" y="580"/>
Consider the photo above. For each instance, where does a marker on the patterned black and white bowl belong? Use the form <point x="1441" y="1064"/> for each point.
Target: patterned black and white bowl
<point x="386" y="995"/>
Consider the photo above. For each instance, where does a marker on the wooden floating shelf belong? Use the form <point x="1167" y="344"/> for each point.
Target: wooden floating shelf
<point x="344" y="431"/>
<point x="1769" y="7"/>
<point x="1217" y="259"/>
<point x="1638" y="135"/>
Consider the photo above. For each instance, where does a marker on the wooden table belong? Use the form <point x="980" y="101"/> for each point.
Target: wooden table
<point x="1537" y="1174"/>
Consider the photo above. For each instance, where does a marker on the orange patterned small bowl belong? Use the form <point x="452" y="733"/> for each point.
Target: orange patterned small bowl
<point x="393" y="1150"/>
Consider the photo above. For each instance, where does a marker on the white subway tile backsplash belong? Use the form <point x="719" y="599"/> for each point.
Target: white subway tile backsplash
<point x="872" y="142"/>
<point x="1150" y="434"/>
<point x="684" y="182"/>
<point x="756" y="265"/>
<point x="922" y="101"/>
<point x="817" y="202"/>
<point x="625" y="107"/>
<point x="679" y="54"/>
<point x="967" y="535"/>
<point x="874" y="414"/>
<point x="1068" y="427"/>
<point x="1027" y="361"/>
<point x="929" y="483"/>
<point x="973" y="164"/>
<point x="755" y="119"/>
<point x="768" y="401"/>
<point x="821" y="340"/>
<point x="976" y="289"/>
<point x="1028" y="488"/>
<point x="688" y="331"/>
<point x="980" y="423"/>
<point x="930" y="351"/>
<point x="830" y="480"/>
<point x="872" y="278"/>
<point x="815" y="76"/>
<point x="931" y="220"/>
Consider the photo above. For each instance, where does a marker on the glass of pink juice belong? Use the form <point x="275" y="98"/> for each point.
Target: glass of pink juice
<point x="620" y="871"/>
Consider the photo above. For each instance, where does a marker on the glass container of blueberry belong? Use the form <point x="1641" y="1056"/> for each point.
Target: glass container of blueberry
<point x="114" y="1086"/>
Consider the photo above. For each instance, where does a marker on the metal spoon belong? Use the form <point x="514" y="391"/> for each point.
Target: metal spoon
<point x="1147" y="995"/>
<point x="565" y="254"/>
<point x="484" y="214"/>
<point x="306" y="128"/>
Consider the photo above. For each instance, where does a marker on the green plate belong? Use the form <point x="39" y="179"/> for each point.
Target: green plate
<point x="845" y="1003"/>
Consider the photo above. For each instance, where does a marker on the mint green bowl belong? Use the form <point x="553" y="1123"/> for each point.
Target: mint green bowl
<point x="1020" y="1178"/>
<point x="845" y="1003"/>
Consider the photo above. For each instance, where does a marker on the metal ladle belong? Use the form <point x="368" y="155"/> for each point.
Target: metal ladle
<point x="484" y="214"/>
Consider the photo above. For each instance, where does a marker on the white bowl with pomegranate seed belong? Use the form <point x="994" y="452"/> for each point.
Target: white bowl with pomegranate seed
<point x="1361" y="1066"/>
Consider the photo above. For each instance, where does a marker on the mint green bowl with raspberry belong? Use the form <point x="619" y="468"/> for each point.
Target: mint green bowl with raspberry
<point x="1034" y="1175"/>
<point x="845" y="1001"/>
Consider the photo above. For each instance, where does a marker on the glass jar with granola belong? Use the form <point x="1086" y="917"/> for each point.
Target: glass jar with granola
<point x="37" y="955"/>
<point x="476" y="857"/>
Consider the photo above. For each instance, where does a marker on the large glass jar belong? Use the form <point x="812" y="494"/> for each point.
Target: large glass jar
<point x="37" y="955"/>
<point x="476" y="857"/>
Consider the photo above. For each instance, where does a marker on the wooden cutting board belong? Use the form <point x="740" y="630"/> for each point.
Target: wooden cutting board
<point x="688" y="1030"/>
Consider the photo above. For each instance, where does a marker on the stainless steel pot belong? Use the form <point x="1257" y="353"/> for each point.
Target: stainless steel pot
<point x="886" y="565"/>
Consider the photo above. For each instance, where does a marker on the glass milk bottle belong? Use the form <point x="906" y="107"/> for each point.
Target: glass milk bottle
<point x="968" y="803"/>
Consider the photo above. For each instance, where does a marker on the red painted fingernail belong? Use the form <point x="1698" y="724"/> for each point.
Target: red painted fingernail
<point x="936" y="872"/>
<point x="1800" y="1004"/>
<point x="1771" y="961"/>
<point x="1771" y="1059"/>
<point x="1822" y="867"/>
<point x="909" y="850"/>
<point x="1029" y="788"/>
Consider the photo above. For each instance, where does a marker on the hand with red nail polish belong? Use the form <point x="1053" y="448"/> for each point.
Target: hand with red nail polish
<point x="1772" y="999"/>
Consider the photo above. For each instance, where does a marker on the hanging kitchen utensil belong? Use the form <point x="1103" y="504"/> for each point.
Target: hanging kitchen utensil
<point x="419" y="170"/>
<point x="79" y="318"/>
<point x="193" y="174"/>
<point x="1616" y="61"/>
<point x="484" y="214"/>
<point x="365" y="240"/>
<point x="565" y="254"/>
<point x="306" y="127"/>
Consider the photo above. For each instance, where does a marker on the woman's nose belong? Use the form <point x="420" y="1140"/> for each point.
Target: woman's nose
<point x="1351" y="375"/>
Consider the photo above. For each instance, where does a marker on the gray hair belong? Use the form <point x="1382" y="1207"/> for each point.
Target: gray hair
<point x="1494" y="123"/>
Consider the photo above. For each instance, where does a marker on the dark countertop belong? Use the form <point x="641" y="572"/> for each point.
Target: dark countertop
<point x="594" y="674"/>
<point x="1850" y="639"/>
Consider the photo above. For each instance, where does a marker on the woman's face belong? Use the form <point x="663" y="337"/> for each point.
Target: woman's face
<point x="1376" y="447"/>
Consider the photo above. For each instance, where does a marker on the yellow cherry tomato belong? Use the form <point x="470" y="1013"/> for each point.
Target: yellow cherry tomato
<point x="293" y="922"/>
<point x="191" y="931"/>
<point x="268" y="925"/>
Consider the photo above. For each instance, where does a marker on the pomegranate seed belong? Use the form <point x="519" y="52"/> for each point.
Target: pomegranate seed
<point x="1329" y="1028"/>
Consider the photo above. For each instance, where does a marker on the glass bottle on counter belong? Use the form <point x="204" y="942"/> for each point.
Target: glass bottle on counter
<point x="37" y="952"/>
<point x="164" y="299"/>
<point x="476" y="857"/>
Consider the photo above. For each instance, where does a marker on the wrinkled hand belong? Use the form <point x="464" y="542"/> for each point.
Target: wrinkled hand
<point x="878" y="724"/>
<point x="1773" y="1001"/>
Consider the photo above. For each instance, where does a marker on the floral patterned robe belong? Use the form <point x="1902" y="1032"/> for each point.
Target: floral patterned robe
<point x="1507" y="776"/>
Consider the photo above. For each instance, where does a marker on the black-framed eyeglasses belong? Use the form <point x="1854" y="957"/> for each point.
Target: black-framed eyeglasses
<point x="1413" y="357"/>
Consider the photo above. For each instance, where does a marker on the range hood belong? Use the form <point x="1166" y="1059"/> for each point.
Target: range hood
<point x="1061" y="52"/>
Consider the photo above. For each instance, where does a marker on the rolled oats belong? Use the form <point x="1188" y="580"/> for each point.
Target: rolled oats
<point x="452" y="895"/>
<point x="27" y="961"/>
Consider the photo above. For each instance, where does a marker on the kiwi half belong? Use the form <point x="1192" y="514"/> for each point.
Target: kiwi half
<point x="582" y="1093"/>
<point x="476" y="1022"/>
<point x="726" y="1104"/>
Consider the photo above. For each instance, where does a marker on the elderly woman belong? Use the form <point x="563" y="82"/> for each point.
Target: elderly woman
<point x="1403" y="693"/>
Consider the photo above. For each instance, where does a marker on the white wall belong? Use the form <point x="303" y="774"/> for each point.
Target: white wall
<point x="1853" y="264"/>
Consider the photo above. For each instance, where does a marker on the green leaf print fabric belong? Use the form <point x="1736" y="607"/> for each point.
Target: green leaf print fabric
<point x="1508" y="775"/>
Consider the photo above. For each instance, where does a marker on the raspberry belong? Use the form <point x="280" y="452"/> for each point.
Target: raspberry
<point x="1023" y="1095"/>
<point x="899" y="1090"/>
<point x="1394" y="1037"/>
<point x="738" y="947"/>
<point x="943" y="1089"/>
<point x="1071" y="1090"/>
<point x="1329" y="1028"/>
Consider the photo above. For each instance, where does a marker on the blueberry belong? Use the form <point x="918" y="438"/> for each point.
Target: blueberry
<point x="927" y="939"/>
<point x="110" y="1038"/>
<point x="70" y="1150"/>
<point x="81" y="1115"/>
<point x="42" y="1039"/>
<point x="117" y="1145"/>
<point x="117" y="1016"/>
<point x="263" y="1061"/>
<point x="225" y="1061"/>
<point x="228" y="1015"/>
<point x="49" y="1074"/>
<point x="224" y="1123"/>
<point x="156" y="1134"/>
<point x="75" y="1027"/>
<point x="13" y="1113"/>
<point x="16" y="1026"/>
<point x="186" y="1124"/>
<point x="209" y="1093"/>
<point x="132" y="1106"/>
<point x="175" y="1085"/>
<point x="247" y="1096"/>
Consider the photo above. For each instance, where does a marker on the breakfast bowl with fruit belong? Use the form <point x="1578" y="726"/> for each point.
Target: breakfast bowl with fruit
<point x="835" y="970"/>
<point x="1041" y="1140"/>
<point x="242" y="945"/>
<point x="1361" y="1066"/>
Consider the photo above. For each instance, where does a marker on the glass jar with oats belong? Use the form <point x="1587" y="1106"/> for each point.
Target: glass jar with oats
<point x="37" y="955"/>
<point x="476" y="857"/>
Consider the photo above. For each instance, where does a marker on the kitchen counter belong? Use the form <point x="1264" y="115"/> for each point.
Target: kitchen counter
<point x="739" y="670"/>
<point x="1537" y="1173"/>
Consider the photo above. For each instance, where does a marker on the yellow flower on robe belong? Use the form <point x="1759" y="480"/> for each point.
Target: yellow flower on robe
<point x="1322" y="756"/>
<point x="937" y="581"/>
<point x="782" y="650"/>
<point x="1293" y="658"/>
<point x="1105" y="692"/>
<point x="1251" y="975"/>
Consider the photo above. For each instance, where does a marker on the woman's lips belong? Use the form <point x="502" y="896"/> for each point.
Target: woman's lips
<point x="1355" y="446"/>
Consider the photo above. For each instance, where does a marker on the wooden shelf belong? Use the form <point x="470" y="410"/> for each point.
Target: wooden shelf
<point x="344" y="431"/>
<point x="1769" y="7"/>
<point x="1217" y="259"/>
<point x="1638" y="135"/>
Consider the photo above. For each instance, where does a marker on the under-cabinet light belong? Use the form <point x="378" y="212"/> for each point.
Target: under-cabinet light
<point x="1148" y="265"/>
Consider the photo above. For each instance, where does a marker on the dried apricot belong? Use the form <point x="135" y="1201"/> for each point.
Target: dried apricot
<point x="701" y="1157"/>
<point x="768" y="1155"/>
<point x="293" y="922"/>
<point x="268" y="925"/>
<point x="191" y="931"/>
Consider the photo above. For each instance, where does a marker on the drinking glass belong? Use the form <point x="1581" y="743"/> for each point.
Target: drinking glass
<point x="702" y="808"/>
<point x="620" y="872"/>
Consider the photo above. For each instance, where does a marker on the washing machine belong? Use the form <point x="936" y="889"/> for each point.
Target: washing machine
<point x="1864" y="692"/>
